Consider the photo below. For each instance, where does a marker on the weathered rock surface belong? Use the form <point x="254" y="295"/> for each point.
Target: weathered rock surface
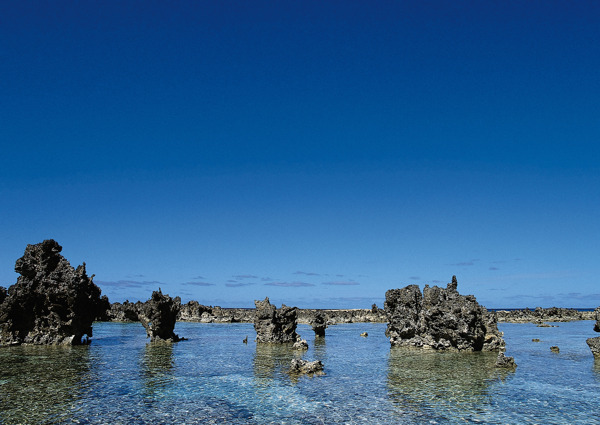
<point x="301" y="344"/>
<point x="319" y="323"/>
<point x="275" y="325"/>
<point x="505" y="362"/>
<point x="440" y="319"/>
<point x="3" y="294"/>
<point x="158" y="316"/>
<point x="299" y="367"/>
<point x="51" y="303"/>
<point x="125" y="312"/>
<point x="594" y="344"/>
<point x="541" y="315"/>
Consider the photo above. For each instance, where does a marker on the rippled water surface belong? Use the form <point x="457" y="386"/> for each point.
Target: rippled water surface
<point x="215" y="378"/>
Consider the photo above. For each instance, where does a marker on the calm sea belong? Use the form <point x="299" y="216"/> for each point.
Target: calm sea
<point x="213" y="378"/>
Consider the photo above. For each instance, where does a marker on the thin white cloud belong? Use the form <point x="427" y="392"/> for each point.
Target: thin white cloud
<point x="289" y="284"/>
<point x="342" y="283"/>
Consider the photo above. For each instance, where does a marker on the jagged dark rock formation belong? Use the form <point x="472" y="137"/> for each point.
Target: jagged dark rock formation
<point x="505" y="362"/>
<point x="440" y="319"/>
<point x="126" y="312"/>
<point x="319" y="324"/>
<point x="275" y="325"/>
<point x="158" y="316"/>
<point x="3" y="294"/>
<point x="594" y="343"/>
<point x="299" y="366"/>
<point x="51" y="303"/>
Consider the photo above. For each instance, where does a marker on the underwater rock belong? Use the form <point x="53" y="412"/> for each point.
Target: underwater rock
<point x="318" y="323"/>
<point x="274" y="325"/>
<point x="52" y="303"/>
<point x="594" y="344"/>
<point x="440" y="319"/>
<point x="505" y="362"/>
<point x="299" y="366"/>
<point x="158" y="316"/>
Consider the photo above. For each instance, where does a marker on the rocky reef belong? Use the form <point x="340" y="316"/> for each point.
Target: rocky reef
<point x="158" y="316"/>
<point x="594" y="343"/>
<point x="300" y="367"/>
<point x="440" y="319"/>
<point x="51" y="303"/>
<point x="275" y="325"/>
<point x="540" y="315"/>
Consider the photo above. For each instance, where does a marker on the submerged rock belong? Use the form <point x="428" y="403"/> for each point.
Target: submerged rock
<point x="51" y="303"/>
<point x="275" y="325"/>
<point x="505" y="362"/>
<point x="440" y="319"/>
<point x="158" y="315"/>
<point x="555" y="349"/>
<point x="299" y="366"/>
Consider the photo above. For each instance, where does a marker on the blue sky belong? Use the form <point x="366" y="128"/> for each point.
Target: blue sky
<point x="318" y="153"/>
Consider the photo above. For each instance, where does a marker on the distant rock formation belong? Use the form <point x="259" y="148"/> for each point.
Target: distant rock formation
<point x="275" y="325"/>
<point x="125" y="312"/>
<point x="541" y="315"/>
<point x="51" y="303"/>
<point x="440" y="319"/>
<point x="318" y="324"/>
<point x="299" y="367"/>
<point x="594" y="343"/>
<point x="158" y="316"/>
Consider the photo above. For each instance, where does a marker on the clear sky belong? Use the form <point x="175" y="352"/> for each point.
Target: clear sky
<point x="316" y="152"/>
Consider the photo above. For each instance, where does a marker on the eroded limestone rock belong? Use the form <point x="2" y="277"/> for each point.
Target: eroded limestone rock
<point x="275" y="325"/>
<point x="505" y="362"/>
<point x="51" y="303"/>
<point x="440" y="319"/>
<point x="299" y="367"/>
<point x="319" y="324"/>
<point x="158" y="316"/>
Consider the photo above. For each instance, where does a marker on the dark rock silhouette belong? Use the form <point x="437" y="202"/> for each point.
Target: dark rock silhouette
<point x="51" y="303"/>
<point x="275" y="325"/>
<point x="299" y="367"/>
<point x="158" y="315"/>
<point x="440" y="319"/>
<point x="594" y="343"/>
<point x="319" y="324"/>
<point x="3" y="294"/>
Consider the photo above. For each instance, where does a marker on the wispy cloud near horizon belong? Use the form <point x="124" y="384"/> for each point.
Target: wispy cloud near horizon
<point x="289" y="284"/>
<point x="307" y="273"/>
<point x="342" y="283"/>
<point x="239" y="284"/>
<point x="128" y="283"/>
<point x="198" y="284"/>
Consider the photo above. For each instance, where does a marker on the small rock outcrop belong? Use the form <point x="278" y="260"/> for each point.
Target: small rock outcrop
<point x="275" y="325"/>
<point x="594" y="343"/>
<point x="319" y="324"/>
<point x="555" y="349"/>
<point x="158" y="316"/>
<point x="301" y="344"/>
<point x="440" y="319"/>
<point x="52" y="303"/>
<point x="299" y="367"/>
<point x="505" y="362"/>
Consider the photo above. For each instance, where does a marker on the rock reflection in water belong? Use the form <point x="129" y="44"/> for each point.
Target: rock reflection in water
<point x="157" y="367"/>
<point x="428" y="381"/>
<point x="273" y="360"/>
<point x="42" y="384"/>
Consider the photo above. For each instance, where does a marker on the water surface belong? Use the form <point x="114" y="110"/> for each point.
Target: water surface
<point x="215" y="378"/>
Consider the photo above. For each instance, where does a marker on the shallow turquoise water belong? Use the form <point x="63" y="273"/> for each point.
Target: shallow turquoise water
<point x="215" y="378"/>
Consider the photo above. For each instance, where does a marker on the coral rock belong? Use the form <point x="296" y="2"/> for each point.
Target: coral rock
<point x="158" y="316"/>
<point x="275" y="325"/>
<point x="51" y="303"/>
